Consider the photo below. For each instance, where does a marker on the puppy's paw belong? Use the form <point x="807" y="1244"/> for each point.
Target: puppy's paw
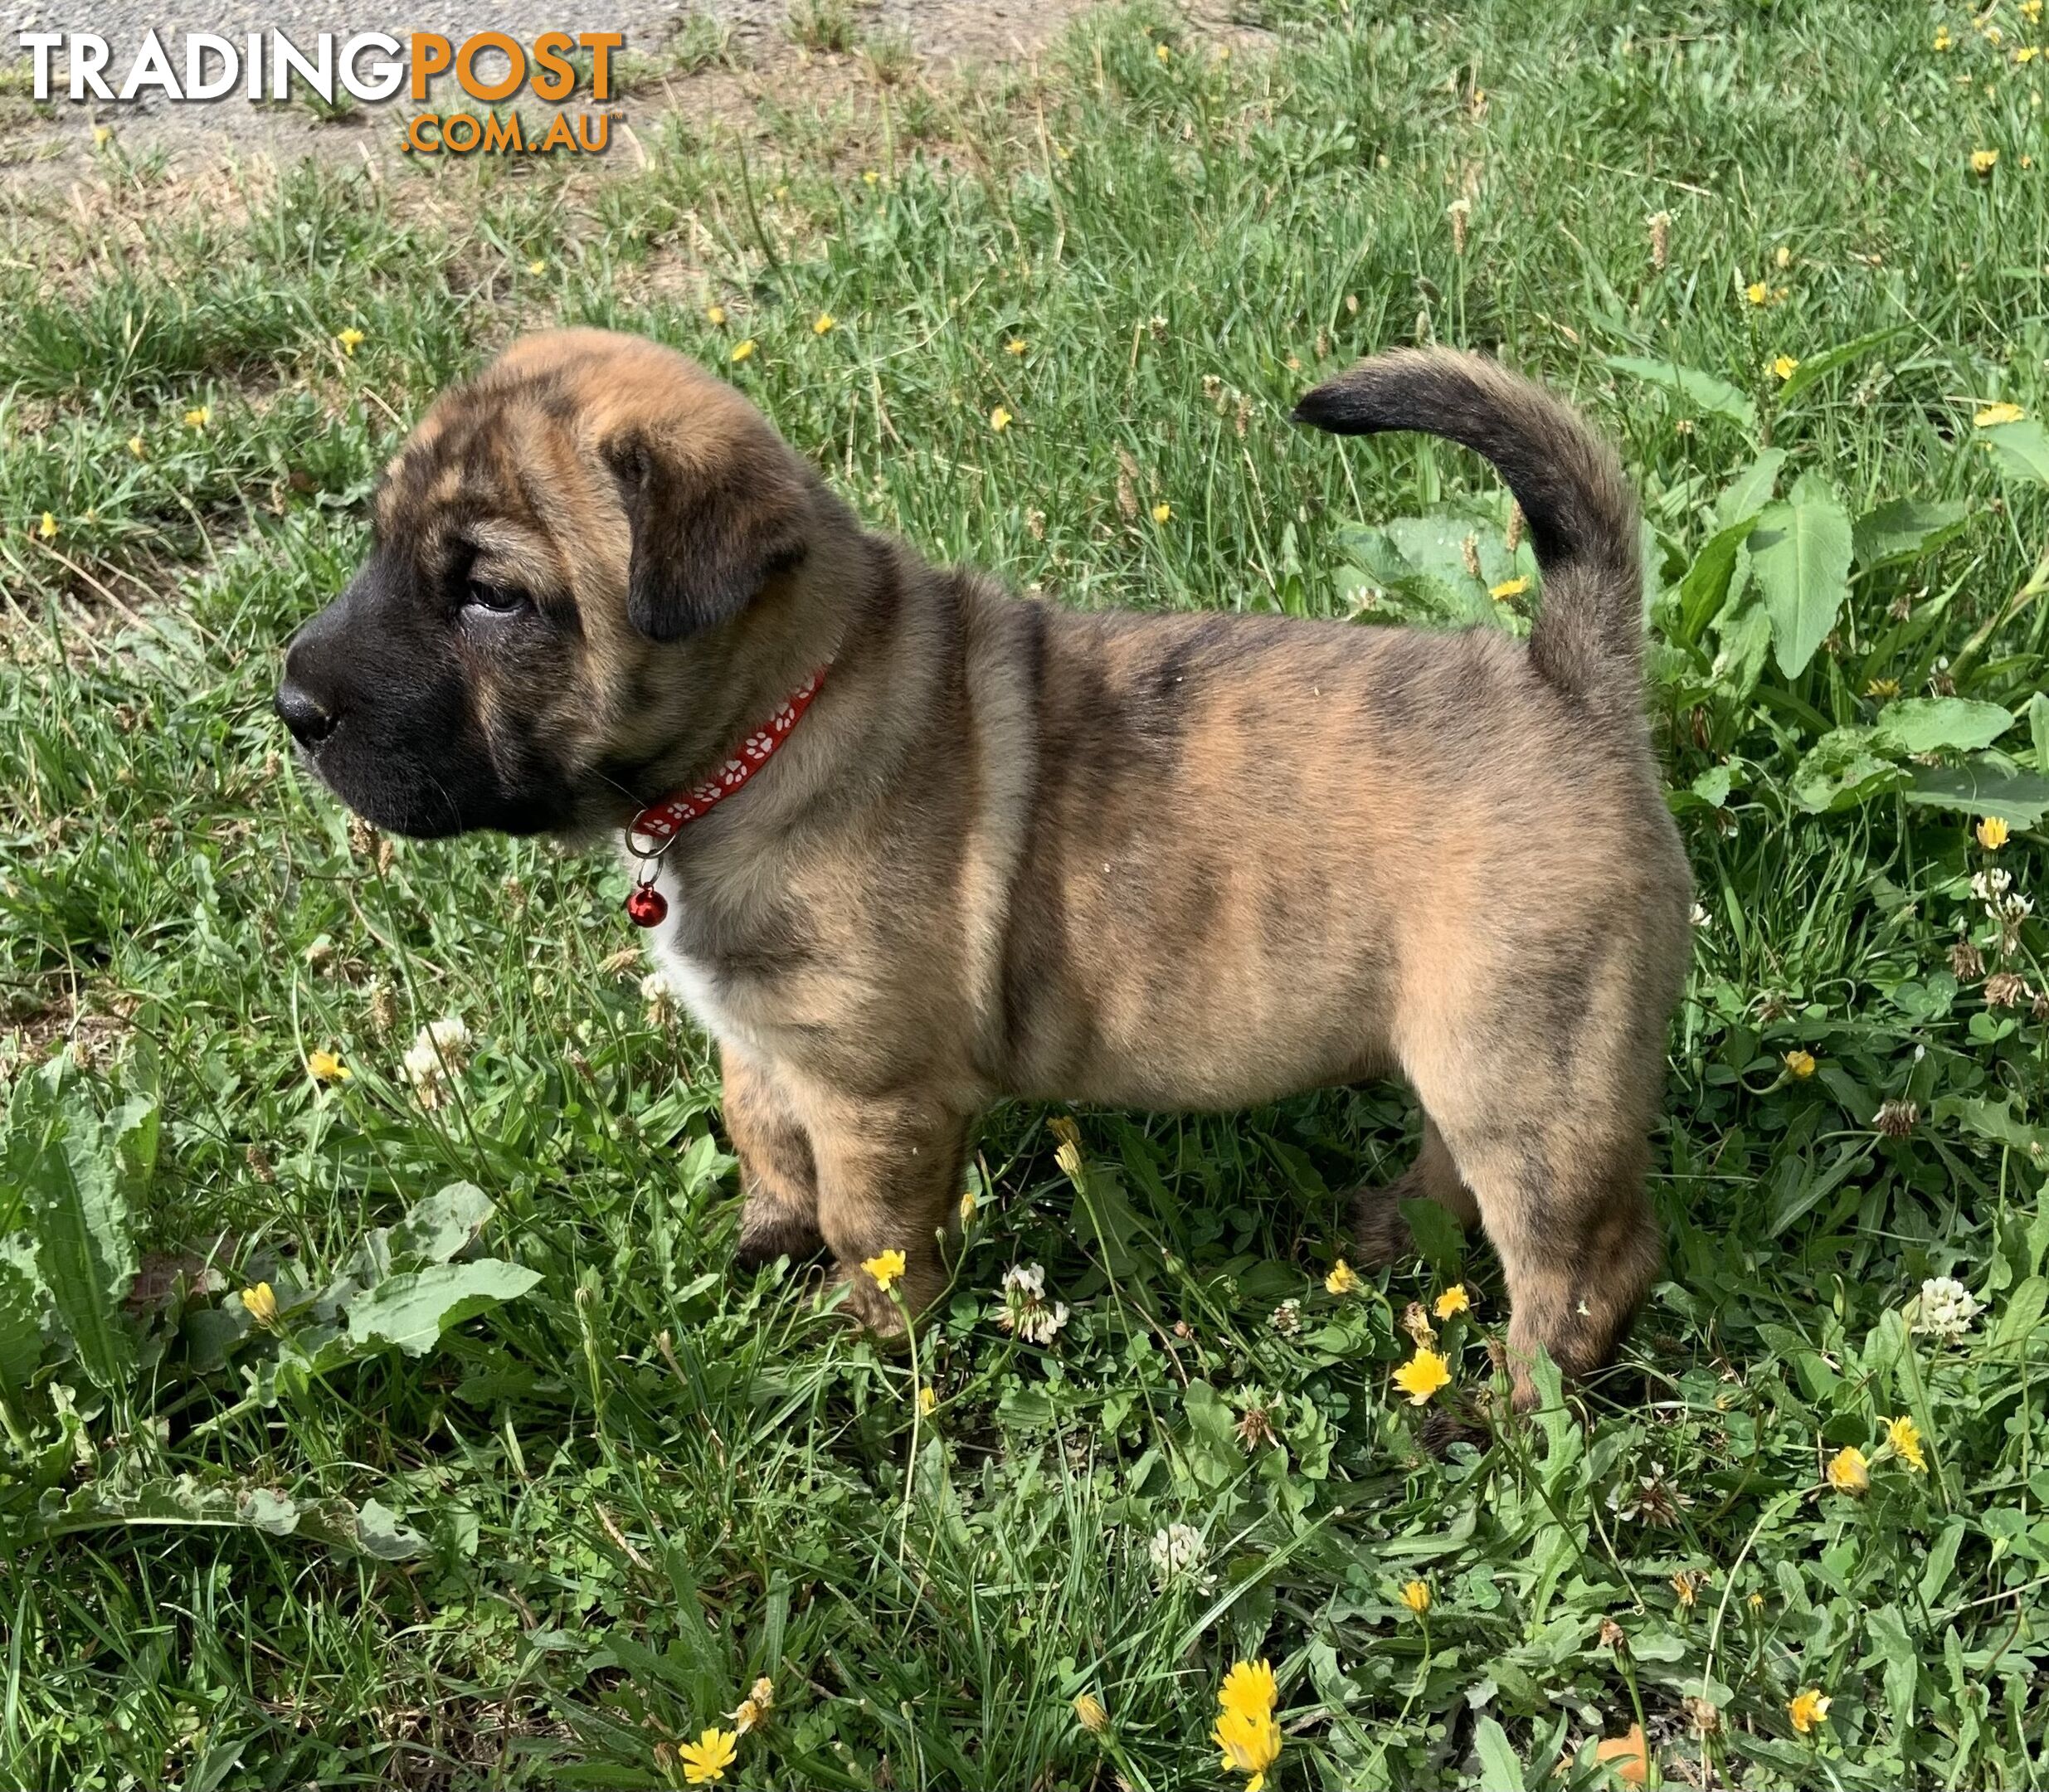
<point x="1378" y="1229"/>
<point x="767" y="1233"/>
<point x="868" y="1305"/>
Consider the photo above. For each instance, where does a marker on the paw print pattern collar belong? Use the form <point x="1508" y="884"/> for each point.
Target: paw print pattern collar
<point x="652" y="832"/>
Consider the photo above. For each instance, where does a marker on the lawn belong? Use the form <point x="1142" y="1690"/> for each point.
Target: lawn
<point x="512" y="1480"/>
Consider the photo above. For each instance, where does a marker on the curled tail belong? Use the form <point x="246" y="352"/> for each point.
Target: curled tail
<point x="1588" y="639"/>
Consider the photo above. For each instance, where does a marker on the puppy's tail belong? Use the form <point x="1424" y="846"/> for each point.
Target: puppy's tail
<point x="1588" y="640"/>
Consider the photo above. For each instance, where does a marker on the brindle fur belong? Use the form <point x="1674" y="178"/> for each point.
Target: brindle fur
<point x="1153" y="861"/>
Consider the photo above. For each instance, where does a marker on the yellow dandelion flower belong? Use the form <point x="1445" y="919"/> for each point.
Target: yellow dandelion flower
<point x="1160" y="52"/>
<point x="1686" y="1588"/>
<point x="1785" y="365"/>
<point x="260" y="1303"/>
<point x="1881" y="687"/>
<point x="1799" y="1064"/>
<point x="1249" y="1689"/>
<point x="1416" y="1596"/>
<point x="1758" y="293"/>
<point x="101" y="136"/>
<point x="1342" y="1279"/>
<point x="1848" y="1472"/>
<point x="47" y="529"/>
<point x="741" y="350"/>
<point x="1508" y="588"/>
<point x="2030" y="10"/>
<point x="1453" y="1300"/>
<point x="754" y="1709"/>
<point x="822" y="322"/>
<point x="137" y="447"/>
<point x="1992" y="833"/>
<point x="707" y="1759"/>
<point x="1000" y="420"/>
<point x="1904" y="1437"/>
<point x="1422" y="1375"/>
<point x="1808" y="1710"/>
<point x="927" y="1400"/>
<point x="1757" y="1602"/>
<point x="2025" y="54"/>
<point x="1984" y="161"/>
<point x="715" y="315"/>
<point x="871" y="177"/>
<point x="1994" y="415"/>
<point x="327" y="1067"/>
<point x="1250" y="1745"/>
<point x="1942" y="37"/>
<point x="886" y="1267"/>
<point x="1017" y="345"/>
<point x="537" y="265"/>
<point x="1090" y="1714"/>
<point x="199" y="416"/>
<point x="351" y="340"/>
<point x="1163" y="513"/>
<point x="1781" y="256"/>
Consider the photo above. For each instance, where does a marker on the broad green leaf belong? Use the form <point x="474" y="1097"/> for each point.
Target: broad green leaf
<point x="21" y="1333"/>
<point x="1706" y="585"/>
<point x="1993" y="1120"/>
<point x="1215" y="1457"/>
<point x="1905" y="530"/>
<point x="2038" y="730"/>
<point x="1746" y="639"/>
<point x="1439" y="1238"/>
<point x="2020" y="1314"/>
<point x="1821" y="366"/>
<point x="1846" y="767"/>
<point x="1751" y="490"/>
<point x="385" y="1534"/>
<point x="413" y="1308"/>
<point x="1887" y="1630"/>
<point x="1703" y="391"/>
<point x="1800" y="558"/>
<point x="2021" y="448"/>
<point x="1939" y="724"/>
<point x="2020" y="799"/>
<point x="84" y="1251"/>
<point x="442" y="1225"/>
<point x="1500" y="1770"/>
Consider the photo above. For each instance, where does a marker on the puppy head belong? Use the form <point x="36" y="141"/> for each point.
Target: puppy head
<point x="567" y="556"/>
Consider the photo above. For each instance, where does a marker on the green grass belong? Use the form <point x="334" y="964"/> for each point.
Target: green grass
<point x="578" y="1527"/>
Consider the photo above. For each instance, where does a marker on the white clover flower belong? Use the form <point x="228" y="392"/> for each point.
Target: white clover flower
<point x="655" y="990"/>
<point x="1699" y="917"/>
<point x="1026" y="1311"/>
<point x="1287" y="1318"/>
<point x="436" y="1053"/>
<point x="1175" y="1550"/>
<point x="1946" y="1309"/>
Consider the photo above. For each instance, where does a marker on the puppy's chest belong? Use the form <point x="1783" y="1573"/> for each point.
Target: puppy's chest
<point x="745" y="970"/>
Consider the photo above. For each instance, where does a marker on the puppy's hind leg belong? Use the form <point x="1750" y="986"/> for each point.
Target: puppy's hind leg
<point x="1377" y="1225"/>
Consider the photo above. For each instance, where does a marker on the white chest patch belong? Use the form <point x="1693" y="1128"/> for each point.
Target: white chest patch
<point x="693" y="983"/>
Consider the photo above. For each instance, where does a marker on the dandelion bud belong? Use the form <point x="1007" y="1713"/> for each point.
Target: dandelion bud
<point x="1090" y="1715"/>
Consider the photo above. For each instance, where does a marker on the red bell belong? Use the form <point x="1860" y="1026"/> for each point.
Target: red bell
<point x="646" y="906"/>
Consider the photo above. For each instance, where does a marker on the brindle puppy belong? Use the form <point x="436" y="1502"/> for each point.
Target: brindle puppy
<point x="1153" y="861"/>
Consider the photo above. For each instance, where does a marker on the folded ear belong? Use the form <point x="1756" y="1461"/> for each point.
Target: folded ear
<point x="707" y="532"/>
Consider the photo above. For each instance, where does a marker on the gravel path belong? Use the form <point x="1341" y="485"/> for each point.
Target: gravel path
<point x="760" y="44"/>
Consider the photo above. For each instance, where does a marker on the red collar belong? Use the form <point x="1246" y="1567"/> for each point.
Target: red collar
<point x="651" y="832"/>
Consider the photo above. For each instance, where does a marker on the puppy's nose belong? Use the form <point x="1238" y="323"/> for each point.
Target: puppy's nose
<point x="301" y="712"/>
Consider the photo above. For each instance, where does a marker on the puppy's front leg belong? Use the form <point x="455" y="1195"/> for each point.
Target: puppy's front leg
<point x="778" y="1176"/>
<point x="888" y="1179"/>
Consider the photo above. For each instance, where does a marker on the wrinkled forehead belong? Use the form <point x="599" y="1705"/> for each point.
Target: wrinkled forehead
<point x="520" y="446"/>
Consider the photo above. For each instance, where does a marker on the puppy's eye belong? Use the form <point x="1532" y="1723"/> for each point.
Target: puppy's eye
<point x="502" y="600"/>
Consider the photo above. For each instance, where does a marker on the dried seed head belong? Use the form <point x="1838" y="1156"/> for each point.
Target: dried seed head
<point x="1255" y="1429"/>
<point x="1612" y="1635"/>
<point x="362" y="838"/>
<point x="259" y="1164"/>
<point x="1469" y="552"/>
<point x="383" y="1010"/>
<point x="1416" y="1322"/>
<point x="1513" y="539"/>
<point x="385" y="856"/>
<point x="1897" y="1119"/>
<point x="1462" y="218"/>
<point x="1967" y="963"/>
<point x="1703" y="1715"/>
<point x="2005" y="989"/>
<point x="1661" y="240"/>
<point x="1128" y="486"/>
<point x="1243" y="420"/>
